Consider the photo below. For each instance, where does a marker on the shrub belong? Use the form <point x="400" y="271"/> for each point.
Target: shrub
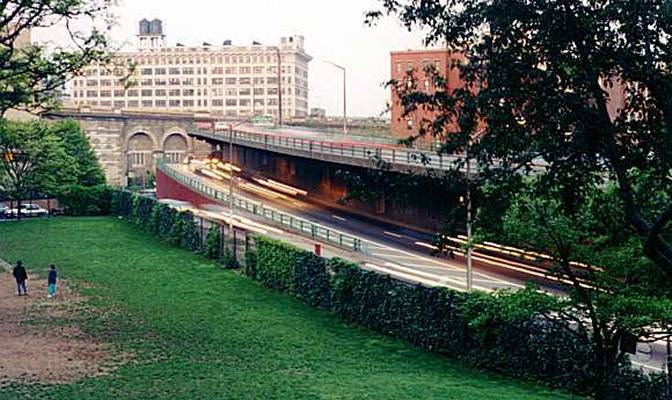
<point x="499" y="332"/>
<point x="86" y="200"/>
<point x="212" y="247"/>
<point x="191" y="239"/>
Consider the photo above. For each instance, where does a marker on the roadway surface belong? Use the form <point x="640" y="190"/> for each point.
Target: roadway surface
<point x="407" y="254"/>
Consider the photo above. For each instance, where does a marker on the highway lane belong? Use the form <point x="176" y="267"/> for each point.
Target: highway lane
<point x="399" y="249"/>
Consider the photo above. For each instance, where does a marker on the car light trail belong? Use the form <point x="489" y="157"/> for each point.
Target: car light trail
<point x="281" y="187"/>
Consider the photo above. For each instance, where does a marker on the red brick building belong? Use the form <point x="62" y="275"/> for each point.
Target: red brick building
<point x="417" y="61"/>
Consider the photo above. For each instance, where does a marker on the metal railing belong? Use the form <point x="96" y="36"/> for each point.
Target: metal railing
<point x="394" y="155"/>
<point x="277" y="217"/>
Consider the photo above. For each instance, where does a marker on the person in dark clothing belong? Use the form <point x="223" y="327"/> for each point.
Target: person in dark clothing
<point x="21" y="276"/>
<point x="52" y="281"/>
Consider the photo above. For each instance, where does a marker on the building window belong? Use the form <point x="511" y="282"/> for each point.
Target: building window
<point x="91" y="83"/>
<point x="132" y="93"/>
<point x="147" y="103"/>
<point x="231" y="102"/>
<point x="147" y="71"/>
<point x="137" y="158"/>
<point x="231" y="81"/>
<point x="133" y="104"/>
<point x="217" y="70"/>
<point x="160" y="103"/>
<point x="244" y="92"/>
<point x="146" y="92"/>
<point x="188" y="103"/>
<point x="159" y="71"/>
<point x="174" y="71"/>
<point x="174" y="81"/>
<point x="159" y="82"/>
<point x="398" y="67"/>
<point x="174" y="92"/>
<point x="217" y="81"/>
<point x="409" y="124"/>
<point x="188" y="81"/>
<point x="160" y="92"/>
<point x="91" y="93"/>
<point x="187" y="71"/>
<point x="188" y="92"/>
<point x="231" y="70"/>
<point x="409" y="66"/>
<point x="174" y="103"/>
<point x="244" y="102"/>
<point x="174" y="157"/>
<point x="258" y="91"/>
<point x="119" y="93"/>
<point x="217" y="103"/>
<point x="147" y="82"/>
<point x="105" y="93"/>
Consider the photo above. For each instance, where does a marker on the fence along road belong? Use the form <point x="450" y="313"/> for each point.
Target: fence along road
<point x="286" y="220"/>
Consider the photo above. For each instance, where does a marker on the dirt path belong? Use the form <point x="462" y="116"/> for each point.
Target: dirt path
<point x="36" y="345"/>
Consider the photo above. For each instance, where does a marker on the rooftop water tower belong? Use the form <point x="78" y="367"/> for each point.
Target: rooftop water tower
<point x="150" y="34"/>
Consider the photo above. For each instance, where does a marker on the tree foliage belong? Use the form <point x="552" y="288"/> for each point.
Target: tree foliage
<point x="609" y="303"/>
<point x="46" y="158"/>
<point x="32" y="75"/>
<point x="540" y="82"/>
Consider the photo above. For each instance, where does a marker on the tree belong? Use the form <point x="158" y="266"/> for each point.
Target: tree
<point x="34" y="159"/>
<point x="77" y="145"/>
<point x="541" y="78"/>
<point x="608" y="305"/>
<point x="31" y="75"/>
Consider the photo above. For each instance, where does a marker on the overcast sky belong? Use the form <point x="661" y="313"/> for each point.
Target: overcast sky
<point x="334" y="30"/>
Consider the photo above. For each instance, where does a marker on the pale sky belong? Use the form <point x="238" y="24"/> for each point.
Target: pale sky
<point x="333" y="30"/>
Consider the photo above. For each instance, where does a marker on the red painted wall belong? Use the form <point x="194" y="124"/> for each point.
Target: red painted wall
<point x="168" y="188"/>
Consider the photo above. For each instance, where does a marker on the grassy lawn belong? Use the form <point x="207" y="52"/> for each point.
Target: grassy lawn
<point x="199" y="332"/>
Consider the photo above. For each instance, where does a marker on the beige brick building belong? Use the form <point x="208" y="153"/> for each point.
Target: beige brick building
<point x="225" y="80"/>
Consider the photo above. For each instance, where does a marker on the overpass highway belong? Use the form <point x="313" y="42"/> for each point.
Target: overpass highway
<point x="400" y="252"/>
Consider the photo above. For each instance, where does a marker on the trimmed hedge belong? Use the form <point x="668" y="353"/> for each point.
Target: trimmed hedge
<point x="465" y="326"/>
<point x="80" y="200"/>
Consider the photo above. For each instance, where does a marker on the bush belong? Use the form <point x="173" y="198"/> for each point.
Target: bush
<point x="212" y="248"/>
<point x="496" y="332"/>
<point x="86" y="200"/>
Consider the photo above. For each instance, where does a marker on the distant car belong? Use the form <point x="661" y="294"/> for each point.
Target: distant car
<point x="3" y="210"/>
<point x="27" y="210"/>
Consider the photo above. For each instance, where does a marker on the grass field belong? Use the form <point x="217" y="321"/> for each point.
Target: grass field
<point x="199" y="332"/>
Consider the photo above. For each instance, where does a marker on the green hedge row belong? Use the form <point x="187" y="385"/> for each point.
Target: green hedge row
<point x="464" y="326"/>
<point x="86" y="200"/>
<point x="177" y="228"/>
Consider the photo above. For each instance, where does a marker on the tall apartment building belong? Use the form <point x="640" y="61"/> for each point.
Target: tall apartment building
<point x="226" y="80"/>
<point x="416" y="63"/>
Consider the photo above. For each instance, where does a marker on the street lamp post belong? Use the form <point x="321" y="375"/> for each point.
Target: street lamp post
<point x="232" y="171"/>
<point x="345" y="115"/>
<point x="470" y="274"/>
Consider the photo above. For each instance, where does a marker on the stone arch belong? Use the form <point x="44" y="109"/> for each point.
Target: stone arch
<point x="140" y="148"/>
<point x="175" y="147"/>
<point x="140" y="134"/>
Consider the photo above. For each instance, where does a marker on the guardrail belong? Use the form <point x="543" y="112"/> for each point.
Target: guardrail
<point x="280" y="218"/>
<point x="395" y="155"/>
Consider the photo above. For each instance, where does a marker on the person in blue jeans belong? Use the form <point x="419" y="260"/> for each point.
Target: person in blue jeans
<point x="21" y="276"/>
<point x="51" y="291"/>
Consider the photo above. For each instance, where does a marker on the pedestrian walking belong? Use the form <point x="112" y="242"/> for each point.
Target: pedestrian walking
<point x="21" y="276"/>
<point x="51" y="291"/>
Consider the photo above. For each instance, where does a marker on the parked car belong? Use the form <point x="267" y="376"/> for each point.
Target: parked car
<point x="27" y="210"/>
